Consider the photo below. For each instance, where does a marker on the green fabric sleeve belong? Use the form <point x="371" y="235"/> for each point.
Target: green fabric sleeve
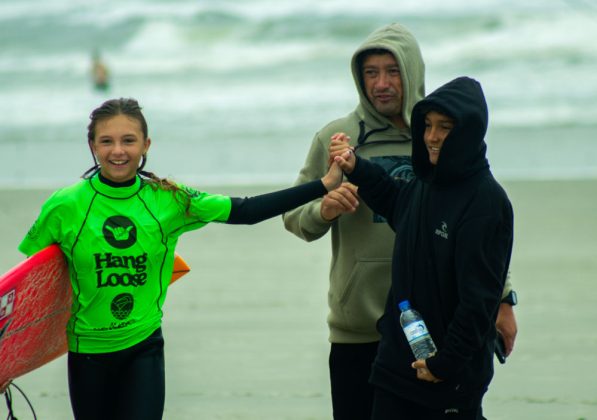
<point x="45" y="230"/>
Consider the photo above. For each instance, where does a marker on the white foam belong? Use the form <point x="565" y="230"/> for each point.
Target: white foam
<point x="245" y="74"/>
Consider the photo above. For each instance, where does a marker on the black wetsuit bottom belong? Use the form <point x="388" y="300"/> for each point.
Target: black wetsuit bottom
<point x="127" y="384"/>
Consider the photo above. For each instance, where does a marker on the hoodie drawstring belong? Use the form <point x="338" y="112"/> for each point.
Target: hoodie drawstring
<point x="363" y="136"/>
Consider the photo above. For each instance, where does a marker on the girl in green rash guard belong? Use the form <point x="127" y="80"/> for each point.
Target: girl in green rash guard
<point x="118" y="228"/>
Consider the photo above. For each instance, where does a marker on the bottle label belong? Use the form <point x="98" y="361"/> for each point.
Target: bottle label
<point x="415" y="330"/>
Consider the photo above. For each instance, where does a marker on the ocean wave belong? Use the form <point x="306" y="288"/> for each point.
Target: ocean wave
<point x="249" y="69"/>
<point x="103" y="12"/>
<point x="474" y="35"/>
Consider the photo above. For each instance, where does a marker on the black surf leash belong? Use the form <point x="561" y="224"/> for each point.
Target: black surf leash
<point x="9" y="400"/>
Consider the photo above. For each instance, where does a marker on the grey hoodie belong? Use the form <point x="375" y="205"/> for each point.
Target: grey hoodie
<point x="361" y="242"/>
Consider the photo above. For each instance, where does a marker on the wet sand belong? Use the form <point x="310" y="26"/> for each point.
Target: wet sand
<point x="245" y="331"/>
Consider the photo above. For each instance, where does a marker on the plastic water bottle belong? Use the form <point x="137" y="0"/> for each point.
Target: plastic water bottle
<point x="416" y="332"/>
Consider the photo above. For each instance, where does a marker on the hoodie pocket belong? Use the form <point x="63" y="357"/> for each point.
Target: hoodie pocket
<point x="364" y="295"/>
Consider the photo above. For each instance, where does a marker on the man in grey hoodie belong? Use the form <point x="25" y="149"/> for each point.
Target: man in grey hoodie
<point x="389" y="74"/>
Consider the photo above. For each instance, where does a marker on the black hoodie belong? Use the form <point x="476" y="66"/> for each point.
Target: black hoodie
<point x="451" y="257"/>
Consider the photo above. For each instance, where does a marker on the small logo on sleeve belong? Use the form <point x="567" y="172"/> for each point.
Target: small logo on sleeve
<point x="33" y="232"/>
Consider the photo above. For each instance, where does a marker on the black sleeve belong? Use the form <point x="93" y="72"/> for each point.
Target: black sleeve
<point x="376" y="187"/>
<point x="251" y="210"/>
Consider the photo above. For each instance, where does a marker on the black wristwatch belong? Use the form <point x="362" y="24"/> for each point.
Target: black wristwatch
<point x="511" y="298"/>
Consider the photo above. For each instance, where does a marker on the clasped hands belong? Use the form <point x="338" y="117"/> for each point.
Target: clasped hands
<point x="343" y="199"/>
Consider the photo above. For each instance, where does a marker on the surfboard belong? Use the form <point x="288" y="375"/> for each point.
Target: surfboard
<point x="35" y="299"/>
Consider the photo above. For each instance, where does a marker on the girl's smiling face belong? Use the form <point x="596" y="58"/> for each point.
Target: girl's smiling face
<point x="119" y="145"/>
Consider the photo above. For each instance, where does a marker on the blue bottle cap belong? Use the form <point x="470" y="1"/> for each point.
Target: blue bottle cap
<point x="404" y="305"/>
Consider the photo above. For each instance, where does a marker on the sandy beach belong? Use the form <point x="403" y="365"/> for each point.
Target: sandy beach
<point x="246" y="337"/>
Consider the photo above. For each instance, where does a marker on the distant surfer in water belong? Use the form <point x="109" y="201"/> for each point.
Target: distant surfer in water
<point x="99" y="73"/>
<point x="118" y="228"/>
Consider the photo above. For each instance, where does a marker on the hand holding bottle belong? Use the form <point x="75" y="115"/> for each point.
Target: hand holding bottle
<point x="423" y="373"/>
<point x="419" y="339"/>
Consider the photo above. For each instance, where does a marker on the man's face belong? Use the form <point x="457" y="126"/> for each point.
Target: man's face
<point x="383" y="86"/>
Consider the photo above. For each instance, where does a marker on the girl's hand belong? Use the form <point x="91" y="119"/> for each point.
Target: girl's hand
<point x="333" y="179"/>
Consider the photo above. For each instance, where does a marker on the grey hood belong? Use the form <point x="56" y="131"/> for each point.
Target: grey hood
<point x="396" y="39"/>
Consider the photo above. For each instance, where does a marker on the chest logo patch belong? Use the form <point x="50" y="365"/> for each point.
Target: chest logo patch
<point x="443" y="232"/>
<point x="120" y="232"/>
<point x="122" y="305"/>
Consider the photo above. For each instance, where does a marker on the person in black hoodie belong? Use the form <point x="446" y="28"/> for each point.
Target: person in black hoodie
<point x="450" y="259"/>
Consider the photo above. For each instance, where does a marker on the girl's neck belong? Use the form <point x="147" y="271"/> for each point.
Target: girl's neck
<point x="126" y="183"/>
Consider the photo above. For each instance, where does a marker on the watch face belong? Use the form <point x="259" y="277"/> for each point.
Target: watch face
<point x="511" y="298"/>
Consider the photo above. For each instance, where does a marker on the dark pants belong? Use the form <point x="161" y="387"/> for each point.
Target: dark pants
<point x="350" y="368"/>
<point x="127" y="384"/>
<point x="387" y="406"/>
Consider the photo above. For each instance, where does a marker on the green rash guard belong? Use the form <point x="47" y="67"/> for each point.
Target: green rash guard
<point x="119" y="245"/>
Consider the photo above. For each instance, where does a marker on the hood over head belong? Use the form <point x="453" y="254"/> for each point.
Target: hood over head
<point x="397" y="40"/>
<point x="463" y="153"/>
